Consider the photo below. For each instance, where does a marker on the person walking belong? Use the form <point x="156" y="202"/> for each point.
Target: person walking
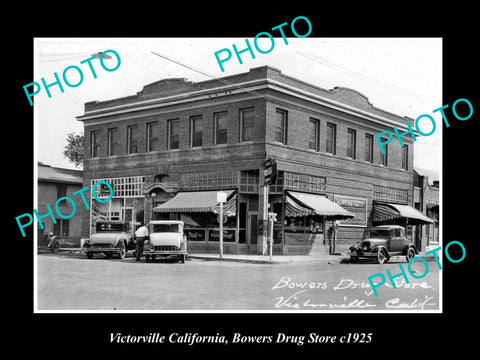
<point x="140" y="235"/>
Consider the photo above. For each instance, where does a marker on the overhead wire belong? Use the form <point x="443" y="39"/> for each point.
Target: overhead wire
<point x="261" y="96"/>
<point x="384" y="84"/>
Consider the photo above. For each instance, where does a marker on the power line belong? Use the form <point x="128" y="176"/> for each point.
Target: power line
<point x="330" y="64"/>
<point x="211" y="76"/>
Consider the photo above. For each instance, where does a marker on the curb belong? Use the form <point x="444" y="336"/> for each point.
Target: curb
<point x="260" y="261"/>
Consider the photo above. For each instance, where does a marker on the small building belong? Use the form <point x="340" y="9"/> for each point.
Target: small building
<point x="427" y="201"/>
<point x="54" y="183"/>
<point x="168" y="149"/>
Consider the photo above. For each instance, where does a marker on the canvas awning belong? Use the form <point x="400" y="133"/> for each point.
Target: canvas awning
<point x="199" y="201"/>
<point x="384" y="211"/>
<point x="302" y="204"/>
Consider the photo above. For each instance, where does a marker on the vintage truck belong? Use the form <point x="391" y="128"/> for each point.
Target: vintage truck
<point x="382" y="243"/>
<point x="111" y="237"/>
<point x="166" y="239"/>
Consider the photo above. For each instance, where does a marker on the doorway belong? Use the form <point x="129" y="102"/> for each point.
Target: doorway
<point x="252" y="232"/>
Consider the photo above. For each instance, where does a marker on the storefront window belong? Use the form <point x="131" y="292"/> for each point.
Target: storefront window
<point x="304" y="230"/>
<point x="203" y="226"/>
<point x="127" y="203"/>
<point x="305" y="224"/>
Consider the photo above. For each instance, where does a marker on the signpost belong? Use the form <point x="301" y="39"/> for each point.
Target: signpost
<point x="270" y="172"/>
<point x="269" y="177"/>
<point x="221" y="198"/>
<point x="272" y="217"/>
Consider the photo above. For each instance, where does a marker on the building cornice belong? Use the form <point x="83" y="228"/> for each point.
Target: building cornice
<point x="246" y="87"/>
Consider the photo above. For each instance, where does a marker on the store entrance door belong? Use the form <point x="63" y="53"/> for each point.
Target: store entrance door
<point x="252" y="232"/>
<point x="128" y="216"/>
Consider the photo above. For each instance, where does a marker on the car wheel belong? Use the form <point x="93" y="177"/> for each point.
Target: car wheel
<point x="182" y="259"/>
<point x="381" y="256"/>
<point x="410" y="254"/>
<point x="354" y="258"/>
<point x="55" y="247"/>
<point x="123" y="251"/>
<point x="89" y="255"/>
<point x="108" y="255"/>
<point x="147" y="258"/>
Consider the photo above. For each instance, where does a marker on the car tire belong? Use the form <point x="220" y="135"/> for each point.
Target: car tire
<point x="182" y="259"/>
<point x="108" y="255"/>
<point x="354" y="258"/>
<point x="381" y="256"/>
<point x="410" y="254"/>
<point x="123" y="251"/>
<point x="55" y="247"/>
<point x="89" y="255"/>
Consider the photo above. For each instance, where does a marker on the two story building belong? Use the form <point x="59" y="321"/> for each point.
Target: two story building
<point x="168" y="149"/>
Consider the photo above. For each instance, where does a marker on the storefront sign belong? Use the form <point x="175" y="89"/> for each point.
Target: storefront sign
<point x="228" y="235"/>
<point x="195" y="234"/>
<point x="357" y="206"/>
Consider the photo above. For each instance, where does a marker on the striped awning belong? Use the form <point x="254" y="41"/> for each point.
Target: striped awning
<point x="384" y="211"/>
<point x="199" y="201"/>
<point x="302" y="204"/>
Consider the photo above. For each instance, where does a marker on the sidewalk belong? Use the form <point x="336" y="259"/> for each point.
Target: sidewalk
<point x="256" y="259"/>
<point x="286" y="259"/>
<point x="276" y="259"/>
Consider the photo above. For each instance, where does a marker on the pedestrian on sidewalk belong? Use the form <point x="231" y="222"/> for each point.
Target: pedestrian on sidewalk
<point x="140" y="235"/>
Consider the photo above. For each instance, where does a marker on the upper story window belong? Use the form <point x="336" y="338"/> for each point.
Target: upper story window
<point x="152" y="136"/>
<point x="95" y="143"/>
<point x="247" y="117"/>
<point x="405" y="157"/>
<point x="369" y="148"/>
<point x="196" y="131"/>
<point x="132" y="139"/>
<point x="220" y="128"/>
<point x="314" y="134"/>
<point x="173" y="132"/>
<point x="384" y="157"/>
<point x="281" y="123"/>
<point x="351" y="143"/>
<point x="331" y="138"/>
<point x="112" y="141"/>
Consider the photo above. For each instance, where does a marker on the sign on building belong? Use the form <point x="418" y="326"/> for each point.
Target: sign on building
<point x="357" y="206"/>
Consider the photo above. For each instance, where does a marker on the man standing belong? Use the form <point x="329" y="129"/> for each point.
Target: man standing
<point x="140" y="235"/>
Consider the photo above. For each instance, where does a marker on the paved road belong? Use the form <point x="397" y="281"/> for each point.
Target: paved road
<point x="76" y="283"/>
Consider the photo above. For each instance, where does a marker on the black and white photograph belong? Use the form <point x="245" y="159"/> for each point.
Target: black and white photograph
<point x="277" y="186"/>
<point x="254" y="179"/>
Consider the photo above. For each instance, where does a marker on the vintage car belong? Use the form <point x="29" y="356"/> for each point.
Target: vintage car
<point x="166" y="239"/>
<point x="382" y="243"/>
<point x="111" y="237"/>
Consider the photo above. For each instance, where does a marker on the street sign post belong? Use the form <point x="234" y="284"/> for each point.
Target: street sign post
<point x="270" y="172"/>
<point x="272" y="217"/>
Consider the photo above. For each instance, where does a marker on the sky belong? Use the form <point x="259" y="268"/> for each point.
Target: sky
<point x="399" y="75"/>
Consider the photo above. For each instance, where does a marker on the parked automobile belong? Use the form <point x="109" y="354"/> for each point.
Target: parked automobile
<point x="382" y="243"/>
<point x="166" y="239"/>
<point x="111" y="237"/>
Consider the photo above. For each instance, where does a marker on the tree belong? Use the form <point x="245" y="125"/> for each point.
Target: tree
<point x="74" y="149"/>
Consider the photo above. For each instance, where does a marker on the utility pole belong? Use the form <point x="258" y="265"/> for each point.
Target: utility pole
<point x="221" y="198"/>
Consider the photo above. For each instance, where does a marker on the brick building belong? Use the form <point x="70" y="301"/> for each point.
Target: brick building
<point x="54" y="183"/>
<point x="167" y="149"/>
<point x="427" y="200"/>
